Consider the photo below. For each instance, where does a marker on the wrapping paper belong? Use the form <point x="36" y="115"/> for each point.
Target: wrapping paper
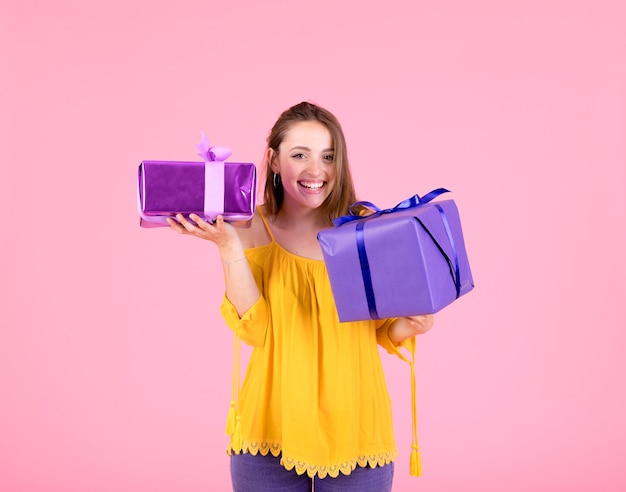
<point x="210" y="188"/>
<point x="405" y="261"/>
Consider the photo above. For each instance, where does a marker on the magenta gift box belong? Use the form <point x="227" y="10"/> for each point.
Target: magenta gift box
<point x="405" y="261"/>
<point x="208" y="188"/>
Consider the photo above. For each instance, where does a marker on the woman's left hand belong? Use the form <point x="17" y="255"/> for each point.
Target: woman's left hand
<point x="422" y="323"/>
<point x="409" y="326"/>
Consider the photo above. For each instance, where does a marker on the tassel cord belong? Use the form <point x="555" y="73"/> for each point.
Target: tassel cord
<point x="415" y="462"/>
<point x="233" y="421"/>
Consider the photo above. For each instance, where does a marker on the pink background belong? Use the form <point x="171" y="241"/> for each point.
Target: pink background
<point x="114" y="361"/>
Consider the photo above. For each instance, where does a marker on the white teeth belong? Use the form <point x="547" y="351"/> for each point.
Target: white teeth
<point x="312" y="186"/>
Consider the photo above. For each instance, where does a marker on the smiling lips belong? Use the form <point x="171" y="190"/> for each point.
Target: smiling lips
<point x="312" y="185"/>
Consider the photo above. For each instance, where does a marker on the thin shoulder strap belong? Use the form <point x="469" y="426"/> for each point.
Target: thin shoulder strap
<point x="267" y="226"/>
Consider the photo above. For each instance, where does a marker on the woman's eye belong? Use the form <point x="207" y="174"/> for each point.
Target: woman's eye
<point x="329" y="157"/>
<point x="298" y="156"/>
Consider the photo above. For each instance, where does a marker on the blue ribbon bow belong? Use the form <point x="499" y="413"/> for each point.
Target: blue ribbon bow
<point x="414" y="201"/>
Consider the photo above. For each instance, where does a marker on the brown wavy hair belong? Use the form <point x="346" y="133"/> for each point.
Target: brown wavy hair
<point x="342" y="194"/>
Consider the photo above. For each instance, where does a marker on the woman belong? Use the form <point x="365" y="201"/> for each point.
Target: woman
<point x="314" y="406"/>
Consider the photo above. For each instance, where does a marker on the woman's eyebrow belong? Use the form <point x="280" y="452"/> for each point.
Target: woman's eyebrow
<point x="302" y="147"/>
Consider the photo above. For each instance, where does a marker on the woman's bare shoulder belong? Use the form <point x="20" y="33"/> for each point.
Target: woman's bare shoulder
<point x="255" y="233"/>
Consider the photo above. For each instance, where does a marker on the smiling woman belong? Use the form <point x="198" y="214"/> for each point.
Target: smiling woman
<point x="313" y="117"/>
<point x="314" y="406"/>
<point x="304" y="164"/>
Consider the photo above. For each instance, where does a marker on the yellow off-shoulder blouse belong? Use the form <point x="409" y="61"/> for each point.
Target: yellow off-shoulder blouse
<point x="314" y="389"/>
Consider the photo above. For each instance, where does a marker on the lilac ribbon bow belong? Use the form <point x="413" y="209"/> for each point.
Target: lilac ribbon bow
<point x="209" y="153"/>
<point x="214" y="158"/>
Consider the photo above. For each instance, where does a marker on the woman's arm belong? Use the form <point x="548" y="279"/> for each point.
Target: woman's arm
<point x="409" y="326"/>
<point x="241" y="288"/>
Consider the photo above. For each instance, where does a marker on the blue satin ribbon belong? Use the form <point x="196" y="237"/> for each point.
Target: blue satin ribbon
<point x="455" y="270"/>
<point x="365" y="270"/>
<point x="413" y="202"/>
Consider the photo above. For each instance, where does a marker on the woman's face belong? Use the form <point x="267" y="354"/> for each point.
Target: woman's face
<point x="306" y="165"/>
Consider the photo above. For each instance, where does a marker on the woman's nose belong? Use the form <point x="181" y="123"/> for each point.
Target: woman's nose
<point x="316" y="165"/>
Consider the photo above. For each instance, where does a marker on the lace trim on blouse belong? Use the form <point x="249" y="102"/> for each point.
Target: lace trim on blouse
<point x="310" y="469"/>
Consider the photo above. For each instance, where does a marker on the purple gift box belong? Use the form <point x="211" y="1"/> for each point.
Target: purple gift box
<point x="405" y="261"/>
<point x="210" y="188"/>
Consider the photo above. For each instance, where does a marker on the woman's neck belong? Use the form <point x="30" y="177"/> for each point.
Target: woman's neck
<point x="303" y="219"/>
<point x="296" y="231"/>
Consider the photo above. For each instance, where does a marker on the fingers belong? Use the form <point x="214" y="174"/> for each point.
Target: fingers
<point x="425" y="319"/>
<point x="182" y="225"/>
<point x="218" y="231"/>
<point x="196" y="226"/>
<point x="207" y="226"/>
<point x="175" y="226"/>
<point x="186" y="223"/>
<point x="423" y="323"/>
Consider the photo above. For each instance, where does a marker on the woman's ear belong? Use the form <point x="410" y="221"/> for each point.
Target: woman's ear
<point x="270" y="155"/>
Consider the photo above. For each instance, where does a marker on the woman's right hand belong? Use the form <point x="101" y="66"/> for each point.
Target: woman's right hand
<point x="221" y="233"/>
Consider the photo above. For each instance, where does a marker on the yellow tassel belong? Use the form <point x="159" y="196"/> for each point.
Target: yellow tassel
<point x="416" y="462"/>
<point x="237" y="436"/>
<point x="230" y="420"/>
